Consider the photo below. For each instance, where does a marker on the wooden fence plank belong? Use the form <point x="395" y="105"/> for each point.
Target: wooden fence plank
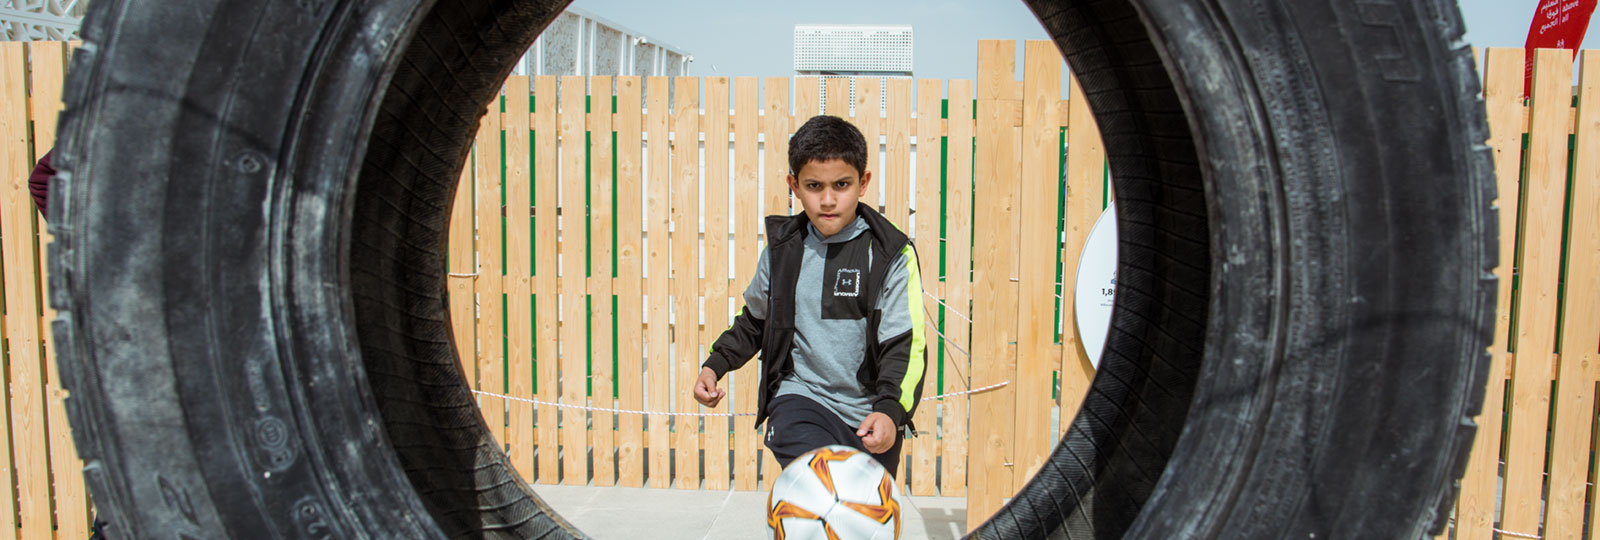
<point x="546" y="267"/>
<point x="994" y="295"/>
<point x="29" y="438"/>
<point x="897" y="159"/>
<point x="13" y="131"/>
<point x="1037" y="358"/>
<point x="868" y="117"/>
<point x="518" y="280"/>
<point x="546" y="270"/>
<point x="461" y="276"/>
<point x="925" y="447"/>
<point x="775" y="130"/>
<point x="1580" y="329"/>
<point x="837" y="100"/>
<point x="685" y="278"/>
<point x="630" y="276"/>
<point x="48" y="61"/>
<point x="717" y="428"/>
<point x="1508" y="124"/>
<point x="1475" y="513"/>
<point x="491" y="207"/>
<point x="601" y="283"/>
<point x="1086" y="157"/>
<point x="1541" y="254"/>
<point x="807" y="100"/>
<point x="70" y="502"/>
<point x="659" y="203"/>
<point x="573" y="350"/>
<point x="958" y="289"/>
<point x="746" y="226"/>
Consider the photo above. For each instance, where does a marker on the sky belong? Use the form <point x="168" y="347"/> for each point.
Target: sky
<point x="755" y="38"/>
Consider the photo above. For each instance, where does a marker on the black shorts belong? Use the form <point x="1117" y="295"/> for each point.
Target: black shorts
<point x="796" y="425"/>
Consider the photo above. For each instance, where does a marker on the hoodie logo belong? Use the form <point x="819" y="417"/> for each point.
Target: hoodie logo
<point x="844" y="296"/>
<point x="847" y="282"/>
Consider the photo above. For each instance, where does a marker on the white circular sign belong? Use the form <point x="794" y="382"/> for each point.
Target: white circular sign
<point x="1096" y="284"/>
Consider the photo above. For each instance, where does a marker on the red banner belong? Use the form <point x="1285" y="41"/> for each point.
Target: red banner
<point x="1557" y="24"/>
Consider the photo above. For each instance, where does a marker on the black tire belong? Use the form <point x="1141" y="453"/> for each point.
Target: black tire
<point x="1304" y="295"/>
<point x="256" y="343"/>
<point x="249" y="269"/>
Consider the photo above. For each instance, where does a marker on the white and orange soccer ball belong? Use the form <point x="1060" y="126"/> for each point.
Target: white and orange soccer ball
<point x="836" y="493"/>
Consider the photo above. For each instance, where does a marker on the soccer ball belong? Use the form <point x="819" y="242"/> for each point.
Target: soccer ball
<point x="837" y="493"/>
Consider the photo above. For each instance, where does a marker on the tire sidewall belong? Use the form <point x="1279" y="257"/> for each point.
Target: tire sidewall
<point x="212" y="369"/>
<point x="1347" y="325"/>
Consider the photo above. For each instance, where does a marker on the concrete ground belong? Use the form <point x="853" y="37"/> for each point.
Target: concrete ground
<point x="672" y="514"/>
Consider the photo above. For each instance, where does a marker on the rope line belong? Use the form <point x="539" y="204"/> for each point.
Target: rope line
<point x="947" y="341"/>
<point x="958" y="312"/>
<point x="1516" y="534"/>
<point x="929" y="321"/>
<point x="658" y="413"/>
<point x="947" y="306"/>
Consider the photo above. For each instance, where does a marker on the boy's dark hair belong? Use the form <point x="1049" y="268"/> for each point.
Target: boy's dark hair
<point x="827" y="137"/>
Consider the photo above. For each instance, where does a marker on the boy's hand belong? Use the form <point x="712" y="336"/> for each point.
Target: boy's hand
<point x="706" y="391"/>
<point x="877" y="432"/>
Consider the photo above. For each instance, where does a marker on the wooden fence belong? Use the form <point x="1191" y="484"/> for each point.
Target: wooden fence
<point x="614" y="245"/>
<point x="1547" y="159"/>
<point x="48" y="496"/>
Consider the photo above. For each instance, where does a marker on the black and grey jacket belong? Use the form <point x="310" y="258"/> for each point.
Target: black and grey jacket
<point x="891" y="367"/>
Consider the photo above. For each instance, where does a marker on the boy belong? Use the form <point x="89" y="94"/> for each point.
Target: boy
<point x="835" y="309"/>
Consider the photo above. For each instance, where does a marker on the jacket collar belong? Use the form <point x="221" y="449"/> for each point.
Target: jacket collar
<point x="785" y="229"/>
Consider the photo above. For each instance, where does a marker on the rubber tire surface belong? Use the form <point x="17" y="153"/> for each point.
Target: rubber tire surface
<point x="1309" y="366"/>
<point x="249" y="269"/>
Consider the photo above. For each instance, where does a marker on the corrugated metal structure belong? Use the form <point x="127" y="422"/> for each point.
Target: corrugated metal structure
<point x="32" y="20"/>
<point x="582" y="43"/>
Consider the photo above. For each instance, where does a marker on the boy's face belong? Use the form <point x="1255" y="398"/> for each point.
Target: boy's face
<point x="828" y="190"/>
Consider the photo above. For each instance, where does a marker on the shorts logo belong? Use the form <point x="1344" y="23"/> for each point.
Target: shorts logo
<point x="847" y="282"/>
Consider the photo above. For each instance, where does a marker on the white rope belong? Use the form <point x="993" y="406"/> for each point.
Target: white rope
<point x="928" y="321"/>
<point x="964" y="317"/>
<point x="972" y="391"/>
<point x="947" y="306"/>
<point x="602" y="409"/>
<point x="628" y="411"/>
<point x="947" y="340"/>
<point x="1519" y="535"/>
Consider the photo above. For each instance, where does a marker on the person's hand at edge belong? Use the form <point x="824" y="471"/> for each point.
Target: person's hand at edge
<point x="877" y="432"/>
<point x="706" y="391"/>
